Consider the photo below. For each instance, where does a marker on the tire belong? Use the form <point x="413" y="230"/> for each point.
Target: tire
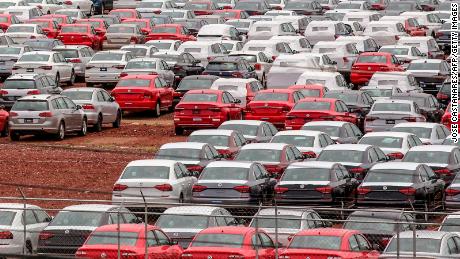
<point x="84" y="128"/>
<point x="72" y="79"/>
<point x="117" y="123"/>
<point x="179" y="131"/>
<point x="181" y="198"/>
<point x="60" y="135"/>
<point x="264" y="81"/>
<point x="14" y="136"/>
<point x="157" y="111"/>
<point x="91" y="11"/>
<point x="57" y="80"/>
<point x="29" y="249"/>
<point x="89" y="84"/>
<point x="98" y="126"/>
<point x="5" y="130"/>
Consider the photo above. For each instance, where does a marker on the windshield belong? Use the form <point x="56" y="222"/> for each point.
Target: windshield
<point x="449" y="225"/>
<point x="248" y="58"/>
<point x="306" y="174"/>
<point x="30" y="106"/>
<point x="425" y="157"/>
<point x="352" y="156"/>
<point x="297" y="5"/>
<point x="249" y="130"/>
<point x="313" y="106"/>
<point x="259" y="155"/>
<point x="346" y="97"/>
<point x="78" y="95"/>
<point x="95" y="24"/>
<point x="332" y="131"/>
<point x="310" y="92"/>
<point x="218" y="240"/>
<point x="271" y="97"/>
<point x="388" y="176"/>
<point x="138" y="52"/>
<point x="19" y="84"/>
<point x="392" y="107"/>
<point x="34" y="58"/>
<point x="150" y="4"/>
<point x="363" y="223"/>
<point x="107" y="57"/>
<point x="73" y="28"/>
<point x="146" y="172"/>
<point x="141" y="65"/>
<point x="215" y="140"/>
<point x="173" y="14"/>
<point x="225" y="173"/>
<point x="247" y="6"/>
<point x="113" y="238"/>
<point x="29" y="29"/>
<point x="195" y="84"/>
<point x="420" y="132"/>
<point x="316" y="242"/>
<point x="399" y="6"/>
<point x="423" y="66"/>
<point x="200" y="98"/>
<point x="422" y="245"/>
<point x="382" y="142"/>
<point x="77" y="218"/>
<point x="296" y="140"/>
<point x="395" y="51"/>
<point x="7" y="217"/>
<point x="221" y="66"/>
<point x="196" y="6"/>
<point x="285" y="221"/>
<point x="134" y="82"/>
<point x="379" y="92"/>
<point x="179" y="154"/>
<point x="182" y="221"/>
<point x="348" y="6"/>
<point x="38" y="44"/>
<point x="372" y="59"/>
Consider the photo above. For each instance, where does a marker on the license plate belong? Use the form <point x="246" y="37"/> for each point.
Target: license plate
<point x="29" y="70"/>
<point x="196" y="119"/>
<point x="196" y="111"/>
<point x="28" y="120"/>
<point x="390" y="121"/>
<point x="2" y="62"/>
<point x="103" y="69"/>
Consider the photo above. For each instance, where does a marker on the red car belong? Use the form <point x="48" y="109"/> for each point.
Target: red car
<point x="370" y="62"/>
<point x="329" y="243"/>
<point x="201" y="7"/>
<point x="413" y="28"/>
<point x="126" y="13"/>
<point x="3" y="121"/>
<point x="99" y="25"/>
<point x="143" y="93"/>
<point x="318" y="109"/>
<point x="80" y="34"/>
<point x="272" y="105"/>
<point x="313" y="90"/>
<point x="6" y="20"/>
<point x="61" y="19"/>
<point x="446" y="119"/>
<point x="379" y="5"/>
<point x="146" y="25"/>
<point x="170" y="32"/>
<point x="102" y="243"/>
<point x="49" y="26"/>
<point x="231" y="242"/>
<point x="200" y="109"/>
<point x="229" y="14"/>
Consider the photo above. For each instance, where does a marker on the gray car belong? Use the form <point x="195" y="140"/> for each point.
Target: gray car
<point x="8" y="57"/>
<point x="119" y="35"/>
<point x="184" y="222"/>
<point x="20" y="85"/>
<point x="106" y="66"/>
<point x="79" y="55"/>
<point x="99" y="107"/>
<point x="44" y="113"/>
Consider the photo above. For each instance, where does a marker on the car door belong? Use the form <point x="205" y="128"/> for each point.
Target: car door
<point x="235" y="108"/>
<point x="266" y="134"/>
<point x="35" y="227"/>
<point x="110" y="106"/>
<point x="75" y="114"/>
<point x="65" y="111"/>
<point x="168" y="74"/>
<point x="189" y="181"/>
<point x="264" y="245"/>
<point x="181" y="184"/>
<point x="64" y="68"/>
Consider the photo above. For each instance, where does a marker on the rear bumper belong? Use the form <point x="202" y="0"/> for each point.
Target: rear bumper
<point x="137" y="105"/>
<point x="203" y="122"/>
<point x="34" y="129"/>
<point x="60" y="251"/>
<point x="277" y="120"/>
<point x="309" y="202"/>
<point x="102" y="77"/>
<point x="11" y="249"/>
<point x="226" y="201"/>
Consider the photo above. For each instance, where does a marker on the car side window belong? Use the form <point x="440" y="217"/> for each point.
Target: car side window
<point x="381" y="156"/>
<point x="322" y="141"/>
<point x="225" y="98"/>
<point x="417" y="141"/>
<point x="70" y="103"/>
<point x="151" y="240"/>
<point x="30" y="218"/>
<point x="266" y="131"/>
<point x="457" y="241"/>
<point x="208" y="153"/>
<point x="348" y="130"/>
<point x="290" y="154"/>
<point x="456" y="156"/>
<point x="162" y="238"/>
<point x="430" y="173"/>
<point x="328" y="139"/>
<point x="178" y="171"/>
<point x="62" y="104"/>
<point x="363" y="244"/>
<point x="423" y="174"/>
<point x="452" y="246"/>
<point x="339" y="174"/>
<point x="440" y="133"/>
<point x="129" y="217"/>
<point x="354" y="246"/>
<point x="373" y="157"/>
<point x="266" y="241"/>
<point x="100" y="97"/>
<point x="272" y="129"/>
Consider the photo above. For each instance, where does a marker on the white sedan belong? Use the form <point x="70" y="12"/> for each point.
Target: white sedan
<point x="46" y="6"/>
<point x="50" y="63"/>
<point x="393" y="144"/>
<point x="20" y="33"/>
<point x="149" y="66"/>
<point x="309" y="142"/>
<point x="86" y="6"/>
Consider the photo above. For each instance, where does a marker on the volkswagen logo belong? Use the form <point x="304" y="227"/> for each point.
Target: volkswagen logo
<point x="219" y="185"/>
<point x="307" y="115"/>
<point x="369" y="68"/>
<point x="302" y="186"/>
<point x="308" y="257"/>
<point x="266" y="104"/>
<point x="103" y="255"/>
<point x="196" y="107"/>
<point x="129" y="90"/>
<point x="384" y="188"/>
<point x="209" y="256"/>
<point x="66" y="231"/>
<point x="176" y="234"/>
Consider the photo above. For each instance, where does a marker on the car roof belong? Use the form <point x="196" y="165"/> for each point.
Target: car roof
<point x="122" y="228"/>
<point x="270" y="146"/>
<point x="441" y="148"/>
<point x="200" y="210"/>
<point x="201" y="77"/>
<point x="23" y="76"/>
<point x="91" y="207"/>
<point x="424" y="234"/>
<point x="313" y="164"/>
<point x="245" y="122"/>
<point x="192" y="145"/>
<point x="355" y="147"/>
<point x="326" y="232"/>
<point x="317" y="99"/>
<point x="113" y="51"/>
<point x="231" y="164"/>
<point x="152" y="162"/>
<point x="378" y="214"/>
<point x="396" y="165"/>
<point x="331" y="43"/>
<point x="417" y="124"/>
<point x="393" y="101"/>
<point x="82" y="89"/>
<point x="230" y="229"/>
<point x="5" y="206"/>
<point x="36" y="97"/>
<point x="388" y="134"/>
<point x="313" y="133"/>
<point x="219" y="132"/>
<point x="412" y="94"/>
<point x="70" y="47"/>
<point x="326" y="123"/>
<point x="282" y="212"/>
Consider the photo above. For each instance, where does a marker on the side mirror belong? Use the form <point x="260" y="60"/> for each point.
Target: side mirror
<point x="237" y="101"/>
<point x="327" y="224"/>
<point x="78" y="107"/>
<point x="389" y="158"/>
<point x="48" y="219"/>
<point x="112" y="99"/>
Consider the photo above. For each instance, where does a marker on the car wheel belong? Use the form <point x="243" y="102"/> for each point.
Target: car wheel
<point x="29" y="248"/>
<point x="264" y="81"/>
<point x="14" y="136"/>
<point x="57" y="80"/>
<point x="157" y="111"/>
<point x="72" y="78"/>
<point x="5" y="130"/>
<point x="98" y="126"/>
<point x="181" y="198"/>
<point x="84" y="127"/>
<point x="117" y="122"/>
<point x="60" y="135"/>
<point x="179" y="131"/>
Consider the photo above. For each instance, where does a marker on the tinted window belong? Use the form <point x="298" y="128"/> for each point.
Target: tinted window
<point x="146" y="172"/>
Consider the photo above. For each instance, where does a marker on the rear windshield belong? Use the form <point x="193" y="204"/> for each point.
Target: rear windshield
<point x="81" y="29"/>
<point x="259" y="155"/>
<point x="298" y="5"/>
<point x="310" y="92"/>
<point x="179" y="154"/>
<point x="68" y="53"/>
<point x="296" y="140"/>
<point x="120" y="29"/>
<point x="395" y="51"/>
<point x="313" y="106"/>
<point x="352" y="156"/>
<point x="200" y="98"/>
<point x="419" y="131"/>
<point x="9" y="50"/>
<point x="247" y="6"/>
<point x="164" y="30"/>
<point x="427" y="157"/>
<point x="392" y="107"/>
<point x="449" y="225"/>
<point x="383" y="142"/>
<point x="34" y="58"/>
<point x="134" y="82"/>
<point x="316" y="242"/>
<point x="423" y="66"/>
<point x="107" y="57"/>
<point x="332" y="131"/>
<point x="218" y="240"/>
<point x="379" y="92"/>
<point x="306" y="174"/>
<point x="215" y="140"/>
<point x="248" y="58"/>
<point x="284" y="221"/>
<point x="182" y="221"/>
<point x="399" y="6"/>
<point x="239" y="24"/>
<point x="250" y="130"/>
<point x="150" y="4"/>
<point x="21" y="29"/>
<point x="192" y="50"/>
<point x="346" y="97"/>
<point x="422" y="245"/>
<point x="194" y="84"/>
<point x="138" y="52"/>
<point x="19" y="84"/>
<point x="6" y="218"/>
<point x="141" y="65"/>
<point x="30" y="106"/>
<point x="77" y="218"/>
<point x="367" y="223"/>
<point x="221" y="66"/>
<point x="315" y="81"/>
<point x="348" y="6"/>
<point x="271" y="97"/>
<point x="386" y="176"/>
<point x="113" y="238"/>
<point x="372" y="59"/>
<point x="161" y="45"/>
<point x="78" y="95"/>
<point x="38" y="44"/>
<point x="225" y="173"/>
<point x="146" y="172"/>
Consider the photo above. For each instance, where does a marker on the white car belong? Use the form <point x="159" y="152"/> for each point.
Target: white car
<point x="427" y="45"/>
<point x="362" y="43"/>
<point x="232" y="45"/>
<point x="50" y="63"/>
<point x="218" y="32"/>
<point x="325" y="63"/>
<point x="287" y="69"/>
<point x="203" y="50"/>
<point x="23" y="13"/>
<point x="149" y="66"/>
<point x="73" y="13"/>
<point x="106" y="67"/>
<point x="381" y="92"/>
<point x="179" y="14"/>
<point x="324" y="31"/>
<point x="20" y="33"/>
<point x="79" y="55"/>
<point x="86" y="6"/>
<point x="393" y="144"/>
<point x="267" y="46"/>
<point x="309" y="142"/>
<point x="329" y="4"/>
<point x="165" y="46"/>
<point x="46" y="6"/>
<point x="148" y="9"/>
<point x="385" y="32"/>
<point x="403" y="80"/>
<point x="363" y="17"/>
<point x="7" y="3"/>
<point x="264" y="30"/>
<point x="404" y="53"/>
<point x="342" y="52"/>
<point x="428" y="19"/>
<point x="297" y="43"/>
<point x="12" y="226"/>
<point x="158" y="181"/>
<point x="242" y="25"/>
<point x="226" y="3"/>
<point x="299" y="22"/>
<point x="451" y="223"/>
<point x="355" y="6"/>
<point x="262" y="62"/>
<point x="331" y="80"/>
<point x="280" y="13"/>
<point x="238" y="87"/>
<point x="427" y="132"/>
<point x="140" y="50"/>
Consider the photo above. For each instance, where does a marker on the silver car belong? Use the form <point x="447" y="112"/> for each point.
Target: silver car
<point x="106" y="66"/>
<point x="20" y="85"/>
<point x="44" y="113"/>
<point x="140" y="50"/>
<point x="12" y="226"/>
<point x="79" y="55"/>
<point x="121" y="34"/>
<point x="149" y="66"/>
<point x="160" y="182"/>
<point x="99" y="107"/>
<point x="8" y="57"/>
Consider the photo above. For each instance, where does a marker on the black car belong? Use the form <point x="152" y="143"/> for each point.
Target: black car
<point x="340" y="131"/>
<point x="427" y="103"/>
<point x="305" y="7"/>
<point x="315" y="183"/>
<point x="232" y="67"/>
<point x="357" y="102"/>
<point x="357" y="158"/>
<point x="193" y="25"/>
<point x="183" y="64"/>
<point x="253" y="7"/>
<point x="43" y="44"/>
<point x="401" y="184"/>
<point x="380" y="233"/>
<point x="69" y="229"/>
<point x="444" y="93"/>
<point x="198" y="82"/>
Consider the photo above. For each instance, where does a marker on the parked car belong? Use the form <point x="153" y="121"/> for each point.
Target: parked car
<point x="4" y="118"/>
<point x="325" y="31"/>
<point x="149" y="66"/>
<point x="141" y="50"/>
<point x="311" y="90"/>
<point x="405" y="81"/>
<point x="170" y="32"/>
<point x="452" y="199"/>
<point x="230" y="67"/>
<point x="78" y="55"/>
<point x="444" y="94"/>
<point x="243" y="89"/>
<point x="181" y="64"/>
<point x="204" y="51"/>
<point x="80" y="34"/>
<point x="370" y="62"/>
<point x="430" y="73"/>
<point x="394" y="144"/>
<point x="385" y="32"/>
<point x="49" y="26"/>
<point x="427" y="45"/>
<point x="331" y="80"/>
<point x="380" y="92"/>
<point x="253" y="7"/>
<point x="105" y="67"/>
<point x="428" y="133"/>
<point x="358" y="102"/>
<point x="450" y="223"/>
<point x="427" y="103"/>
<point x="195" y="82"/>
<point x="100" y="25"/>
<point x="227" y="142"/>
<point x="404" y="53"/>
<point x="9" y="55"/>
<point x="310" y="143"/>
<point x="340" y="131"/>
<point x="118" y="35"/>
<point x="253" y="131"/>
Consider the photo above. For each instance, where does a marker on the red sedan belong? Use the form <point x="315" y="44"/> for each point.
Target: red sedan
<point x="6" y="20"/>
<point x="61" y="19"/>
<point x="99" y="25"/>
<point x="272" y="105"/>
<point x="200" y="109"/>
<point x="413" y="28"/>
<point x="49" y="26"/>
<point x="313" y="90"/>
<point x="229" y="14"/>
<point x="143" y="93"/>
<point x="370" y="62"/>
<point x="329" y="243"/>
<point x="103" y="243"/>
<point x="318" y="109"/>
<point x="231" y="242"/>
<point x="146" y="25"/>
<point x="170" y="32"/>
<point x="80" y="34"/>
<point x="3" y="122"/>
<point x="446" y="119"/>
<point x="126" y="13"/>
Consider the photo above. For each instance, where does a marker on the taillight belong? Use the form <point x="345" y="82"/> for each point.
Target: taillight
<point x="45" y="235"/>
<point x="408" y="191"/>
<point x="410" y="119"/>
<point x="357" y="170"/>
<point x="123" y="74"/>
<point x="164" y="187"/>
<point x="443" y="171"/>
<point x="13" y="114"/>
<point x="237" y="74"/>
<point x="119" y="66"/>
<point x="6" y="235"/>
<point x="198" y="188"/>
<point x="119" y="187"/>
<point x="68" y="2"/>
<point x="45" y="114"/>
<point x="75" y="60"/>
<point x="309" y="154"/>
<point x="186" y="255"/>
<point x="88" y="106"/>
<point x="279" y="189"/>
<point x="363" y="190"/>
<point x="33" y="92"/>
<point x="148" y="95"/>
<point x="273" y="58"/>
<point x="284" y="256"/>
<point x="214" y="109"/>
<point x="326" y="117"/>
<point x="194" y="168"/>
<point x="286" y="109"/>
<point x="3" y="92"/>
<point x="242" y="188"/>
<point x="396" y="155"/>
<point x="452" y="192"/>
<point x="439" y="34"/>
<point x="46" y="67"/>
<point x="257" y="66"/>
<point x="324" y="190"/>
<point x="442" y="96"/>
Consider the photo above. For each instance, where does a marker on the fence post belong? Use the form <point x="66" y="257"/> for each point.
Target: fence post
<point x="276" y="230"/>
<point x="258" y="242"/>
<point x="24" y="220"/>
<point x="146" y="256"/>
<point x="414" y="242"/>
<point x="118" y="230"/>
<point x="397" y="239"/>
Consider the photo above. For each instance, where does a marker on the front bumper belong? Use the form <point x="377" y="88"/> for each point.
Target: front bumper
<point x="137" y="106"/>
